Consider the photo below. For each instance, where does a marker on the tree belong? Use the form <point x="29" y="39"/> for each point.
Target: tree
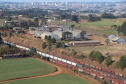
<point x="91" y="56"/>
<point x="82" y="34"/>
<point x="59" y="45"/>
<point x="53" y="40"/>
<point x="49" y="39"/>
<point x="107" y="41"/>
<point x="119" y="29"/>
<point x="30" y="23"/>
<point x="5" y="34"/>
<point x="107" y="15"/>
<point x="44" y="45"/>
<point x="36" y="22"/>
<point x="123" y="28"/>
<point x="72" y="25"/>
<point x="0" y="52"/>
<point x="74" y="52"/>
<point x="121" y="64"/>
<point x="49" y="46"/>
<point x="0" y="40"/>
<point x="99" y="57"/>
<point x="92" y="19"/>
<point x="45" y="37"/>
<point x="10" y="34"/>
<point x="9" y="18"/>
<point x="96" y="55"/>
<point x="66" y="35"/>
<point x="104" y="82"/>
<point x="32" y="51"/>
<point x="74" y="18"/>
<point x="24" y="24"/>
<point x="108" y="61"/>
<point x="114" y="26"/>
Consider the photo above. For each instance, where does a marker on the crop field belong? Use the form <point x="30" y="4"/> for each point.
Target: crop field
<point x="57" y="79"/>
<point x="23" y="67"/>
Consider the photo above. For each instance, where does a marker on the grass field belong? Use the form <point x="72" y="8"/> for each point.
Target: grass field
<point x="103" y="26"/>
<point x="23" y="67"/>
<point x="57" y="79"/>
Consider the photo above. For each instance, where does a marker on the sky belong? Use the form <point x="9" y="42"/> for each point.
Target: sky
<point x="61" y="0"/>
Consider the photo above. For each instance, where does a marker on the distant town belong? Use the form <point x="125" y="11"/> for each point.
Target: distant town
<point x="77" y="8"/>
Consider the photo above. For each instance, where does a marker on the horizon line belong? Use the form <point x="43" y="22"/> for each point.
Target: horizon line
<point x="65" y="1"/>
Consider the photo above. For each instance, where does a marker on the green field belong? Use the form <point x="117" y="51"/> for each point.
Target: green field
<point x="57" y="79"/>
<point x="103" y="26"/>
<point x="23" y="67"/>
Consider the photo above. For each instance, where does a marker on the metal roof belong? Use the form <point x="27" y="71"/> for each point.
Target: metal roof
<point x="75" y="33"/>
<point x="111" y="37"/>
<point x="94" y="41"/>
<point x="116" y="38"/>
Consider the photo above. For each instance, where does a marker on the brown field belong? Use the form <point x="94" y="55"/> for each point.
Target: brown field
<point x="115" y="49"/>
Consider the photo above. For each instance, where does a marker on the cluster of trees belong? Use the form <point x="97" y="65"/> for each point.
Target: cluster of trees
<point x="29" y="23"/>
<point x="49" y="41"/>
<point x="7" y="34"/>
<point x="108" y="61"/>
<point x="77" y="55"/>
<point x="0" y="39"/>
<point x="123" y="16"/>
<point x="66" y="35"/>
<point x="81" y="56"/>
<point x="32" y="51"/>
<point x="71" y="17"/>
<point x="122" y="28"/>
<point x="121" y="64"/>
<point x="6" y="27"/>
<point x="60" y="45"/>
<point x="30" y="13"/>
<point x="96" y="55"/>
<point x="107" y="15"/>
<point x="93" y="19"/>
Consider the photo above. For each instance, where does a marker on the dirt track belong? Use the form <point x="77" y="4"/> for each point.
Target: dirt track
<point x="59" y="71"/>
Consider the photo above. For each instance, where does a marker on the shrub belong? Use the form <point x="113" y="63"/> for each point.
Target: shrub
<point x="96" y="55"/>
<point x="44" y="45"/>
<point x="108" y="61"/>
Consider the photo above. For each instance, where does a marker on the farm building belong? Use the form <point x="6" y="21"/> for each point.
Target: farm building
<point x="59" y="33"/>
<point x="76" y="35"/>
<point x="111" y="37"/>
<point x="37" y="33"/>
<point x="116" y="39"/>
<point x="53" y="35"/>
<point x="85" y="43"/>
<point x="119" y="40"/>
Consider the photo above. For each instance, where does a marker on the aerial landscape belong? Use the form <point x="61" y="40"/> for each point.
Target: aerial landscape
<point x="62" y="42"/>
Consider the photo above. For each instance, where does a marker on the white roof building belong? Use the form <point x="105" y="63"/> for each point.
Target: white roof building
<point x="53" y="35"/>
<point x="57" y="34"/>
<point x="111" y="37"/>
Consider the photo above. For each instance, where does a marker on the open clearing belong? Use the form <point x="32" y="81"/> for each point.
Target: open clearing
<point x="23" y="67"/>
<point x="62" y="76"/>
<point x="57" y="79"/>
